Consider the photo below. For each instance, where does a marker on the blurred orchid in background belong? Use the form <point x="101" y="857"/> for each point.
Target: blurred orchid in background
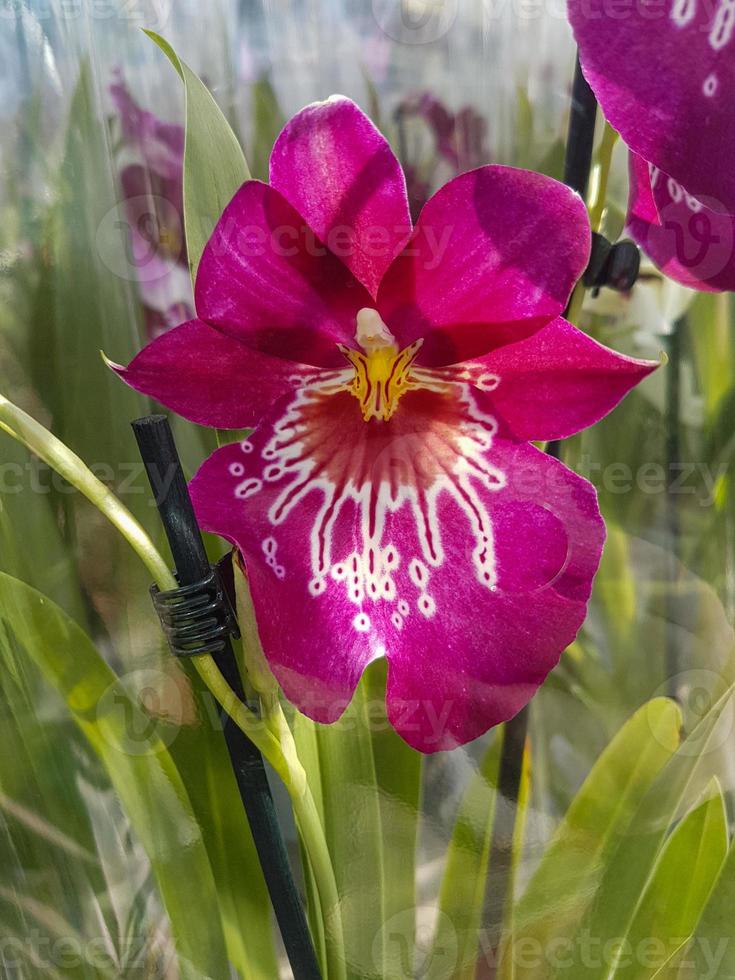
<point x="151" y="177"/>
<point x="457" y="143"/>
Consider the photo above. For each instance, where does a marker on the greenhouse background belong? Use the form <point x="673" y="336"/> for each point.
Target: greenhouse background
<point x="114" y="847"/>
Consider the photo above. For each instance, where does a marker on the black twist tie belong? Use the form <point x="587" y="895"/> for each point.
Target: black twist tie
<point x="615" y="266"/>
<point x="197" y="619"/>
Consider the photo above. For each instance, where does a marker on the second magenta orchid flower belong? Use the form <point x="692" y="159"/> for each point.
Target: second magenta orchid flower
<point x="389" y="502"/>
<point x="662" y="71"/>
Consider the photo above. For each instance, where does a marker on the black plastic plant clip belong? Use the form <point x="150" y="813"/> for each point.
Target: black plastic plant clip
<point x="197" y="618"/>
<point x="616" y="266"/>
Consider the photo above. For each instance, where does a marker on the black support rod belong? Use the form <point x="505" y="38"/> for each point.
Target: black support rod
<point x="581" y="134"/>
<point x="161" y="460"/>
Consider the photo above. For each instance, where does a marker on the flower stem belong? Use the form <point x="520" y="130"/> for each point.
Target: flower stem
<point x="30" y="433"/>
<point x="312" y="835"/>
<point x="26" y="430"/>
<point x="282" y="757"/>
<point x="600" y="177"/>
<point x="596" y="202"/>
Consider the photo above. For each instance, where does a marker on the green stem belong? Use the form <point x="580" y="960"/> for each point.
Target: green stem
<point x="67" y="464"/>
<point x="596" y="201"/>
<point x="274" y="740"/>
<point x="597" y="197"/>
<point x="312" y="835"/>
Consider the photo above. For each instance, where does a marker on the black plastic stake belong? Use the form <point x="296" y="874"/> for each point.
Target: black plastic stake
<point x="581" y="134"/>
<point x="161" y="460"/>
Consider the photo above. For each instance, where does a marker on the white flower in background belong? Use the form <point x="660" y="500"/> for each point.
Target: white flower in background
<point x="645" y="317"/>
<point x="651" y="308"/>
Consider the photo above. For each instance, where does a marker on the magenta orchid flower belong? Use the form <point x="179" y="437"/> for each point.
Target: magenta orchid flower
<point x="389" y="503"/>
<point x="689" y="242"/>
<point x="153" y="198"/>
<point x="664" y="75"/>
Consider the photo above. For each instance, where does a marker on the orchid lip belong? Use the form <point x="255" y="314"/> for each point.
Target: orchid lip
<point x="382" y="371"/>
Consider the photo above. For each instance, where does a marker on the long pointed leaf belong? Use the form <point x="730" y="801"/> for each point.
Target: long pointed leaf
<point x="146" y="779"/>
<point x="669" y="913"/>
<point x="214" y="164"/>
<point x="570" y="870"/>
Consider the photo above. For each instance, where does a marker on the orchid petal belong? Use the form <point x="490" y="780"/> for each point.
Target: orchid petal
<point x="494" y="257"/>
<point x="483" y="655"/>
<point x="267" y="280"/>
<point x="210" y="378"/>
<point x="661" y="75"/>
<point x="556" y="382"/>
<point x="340" y="173"/>
<point x="689" y="241"/>
<point x="462" y="556"/>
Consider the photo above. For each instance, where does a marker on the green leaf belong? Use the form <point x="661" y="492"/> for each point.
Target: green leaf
<point x="214" y="164"/>
<point x="51" y="874"/>
<point x="398" y="771"/>
<point x="201" y="756"/>
<point x="340" y="769"/>
<point x="86" y="297"/>
<point x="268" y="121"/>
<point x="461" y="897"/>
<point x="31" y="544"/>
<point x="85" y="302"/>
<point x="669" y="913"/>
<point x="366" y="784"/>
<point x="139" y="766"/>
<point x="712" y="951"/>
<point x="571" y="868"/>
<point x="629" y="870"/>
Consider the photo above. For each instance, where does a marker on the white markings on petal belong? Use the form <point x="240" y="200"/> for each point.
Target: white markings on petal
<point x="487" y="382"/>
<point x="426" y="605"/>
<point x="683" y="11"/>
<point x="710" y="85"/>
<point x="248" y="487"/>
<point x="361" y="622"/>
<point x="721" y="32"/>
<point x="418" y="573"/>
<point x="270" y="547"/>
<point x="369" y="574"/>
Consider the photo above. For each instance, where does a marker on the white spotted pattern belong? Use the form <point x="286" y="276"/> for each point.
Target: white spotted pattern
<point x="368" y="574"/>
<point x="721" y="32"/>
